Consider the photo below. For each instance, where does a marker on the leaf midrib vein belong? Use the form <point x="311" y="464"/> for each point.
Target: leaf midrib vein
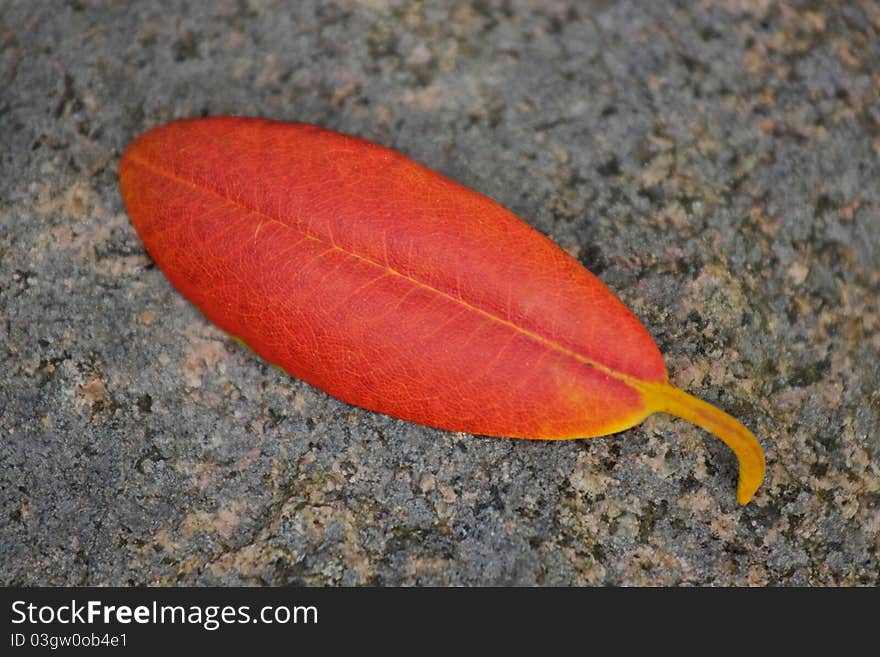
<point x="537" y="337"/>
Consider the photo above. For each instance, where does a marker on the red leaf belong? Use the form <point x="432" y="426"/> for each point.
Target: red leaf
<point x="396" y="289"/>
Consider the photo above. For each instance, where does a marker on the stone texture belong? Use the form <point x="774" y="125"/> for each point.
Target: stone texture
<point x="717" y="163"/>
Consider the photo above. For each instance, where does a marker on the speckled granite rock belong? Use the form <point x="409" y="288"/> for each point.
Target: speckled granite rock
<point x="717" y="163"/>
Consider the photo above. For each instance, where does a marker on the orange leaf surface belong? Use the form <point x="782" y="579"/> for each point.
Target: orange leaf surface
<point x="391" y="287"/>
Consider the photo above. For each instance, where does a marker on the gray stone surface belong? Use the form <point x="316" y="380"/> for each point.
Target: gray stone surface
<point x="717" y="163"/>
